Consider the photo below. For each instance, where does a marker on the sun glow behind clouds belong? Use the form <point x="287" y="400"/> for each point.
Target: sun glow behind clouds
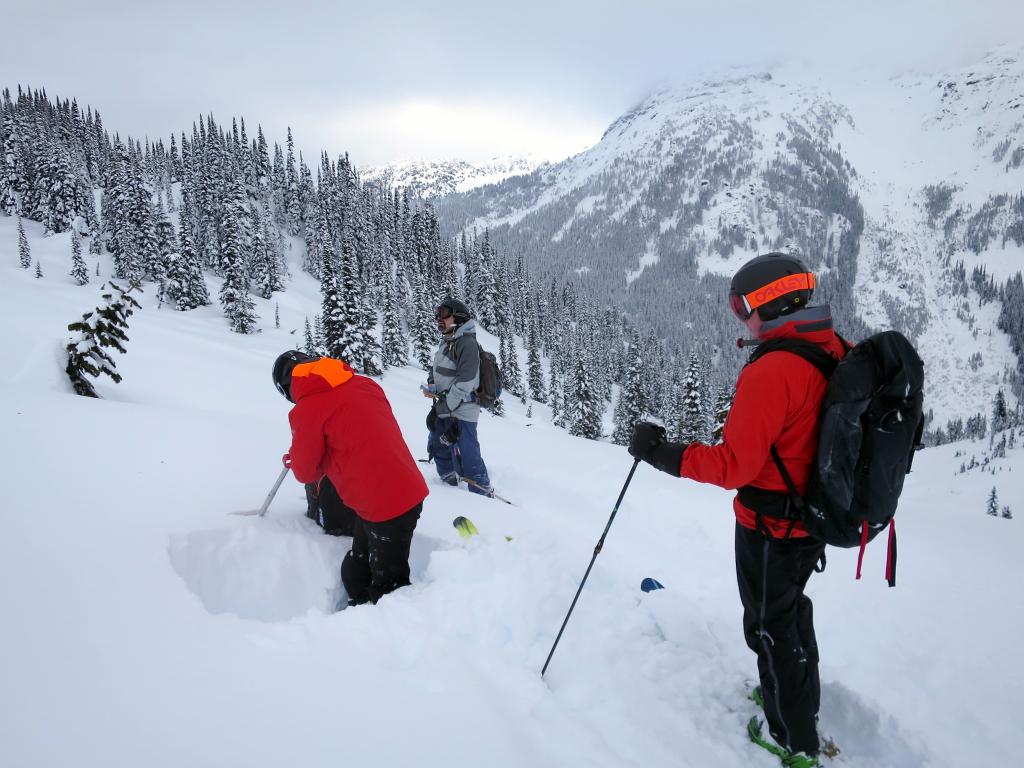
<point x="469" y="130"/>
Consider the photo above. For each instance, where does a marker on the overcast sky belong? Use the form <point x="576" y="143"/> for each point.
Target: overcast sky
<point x="392" y="80"/>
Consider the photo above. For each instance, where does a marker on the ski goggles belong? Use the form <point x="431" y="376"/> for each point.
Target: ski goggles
<point x="744" y="304"/>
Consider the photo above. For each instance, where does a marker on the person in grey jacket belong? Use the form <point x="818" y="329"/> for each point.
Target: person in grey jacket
<point x="455" y="375"/>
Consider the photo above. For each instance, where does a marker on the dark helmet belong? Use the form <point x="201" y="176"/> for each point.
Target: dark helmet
<point x="453" y="308"/>
<point x="774" y="284"/>
<point x="283" y="370"/>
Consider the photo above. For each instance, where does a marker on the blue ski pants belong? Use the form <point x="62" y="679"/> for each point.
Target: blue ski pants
<point x="462" y="458"/>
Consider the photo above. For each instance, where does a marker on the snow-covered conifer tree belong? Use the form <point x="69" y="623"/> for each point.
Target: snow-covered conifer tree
<point x="993" y="503"/>
<point x="691" y="423"/>
<point x="308" y="340"/>
<point x="79" y="271"/>
<point x="24" y="254"/>
<point x="723" y="404"/>
<point x="632" y="403"/>
<point x="186" y="286"/>
<point x="584" y="412"/>
<point x="395" y="347"/>
<point x="12" y="179"/>
<point x="535" y="371"/>
<point x="97" y="331"/>
<point x="424" y="328"/>
<point x="508" y="362"/>
<point x="234" y="296"/>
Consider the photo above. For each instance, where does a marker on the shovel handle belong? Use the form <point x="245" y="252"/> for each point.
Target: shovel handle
<point x="273" y="491"/>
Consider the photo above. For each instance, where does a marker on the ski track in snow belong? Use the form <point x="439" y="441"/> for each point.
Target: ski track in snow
<point x="153" y="628"/>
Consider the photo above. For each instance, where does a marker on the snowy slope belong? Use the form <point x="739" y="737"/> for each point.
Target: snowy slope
<point x="436" y="178"/>
<point x="146" y="626"/>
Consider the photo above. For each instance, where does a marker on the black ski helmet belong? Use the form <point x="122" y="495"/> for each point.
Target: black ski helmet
<point x="283" y="366"/>
<point x="774" y="284"/>
<point x="453" y="308"/>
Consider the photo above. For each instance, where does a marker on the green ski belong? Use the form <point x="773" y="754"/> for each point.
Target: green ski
<point x="789" y="759"/>
<point x="465" y="527"/>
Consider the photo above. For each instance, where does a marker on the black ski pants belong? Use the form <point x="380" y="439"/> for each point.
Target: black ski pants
<point x="378" y="562"/>
<point x="778" y="623"/>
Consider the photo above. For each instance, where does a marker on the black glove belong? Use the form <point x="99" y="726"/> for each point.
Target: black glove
<point x="648" y="444"/>
<point x="450" y="436"/>
<point x="432" y="420"/>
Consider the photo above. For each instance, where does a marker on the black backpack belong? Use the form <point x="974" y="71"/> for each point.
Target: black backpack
<point x="325" y="508"/>
<point x="871" y="424"/>
<point x="489" y="389"/>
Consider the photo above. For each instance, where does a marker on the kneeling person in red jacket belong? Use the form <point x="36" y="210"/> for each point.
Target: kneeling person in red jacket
<point x="343" y="427"/>
<point x="777" y="406"/>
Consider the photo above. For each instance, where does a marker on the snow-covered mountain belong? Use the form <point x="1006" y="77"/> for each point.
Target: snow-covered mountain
<point x="437" y="178"/>
<point x="884" y="186"/>
<point x="144" y="625"/>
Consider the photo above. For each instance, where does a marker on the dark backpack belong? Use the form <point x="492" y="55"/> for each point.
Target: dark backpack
<point x="489" y="389"/>
<point x="871" y="424"/>
<point x="325" y="508"/>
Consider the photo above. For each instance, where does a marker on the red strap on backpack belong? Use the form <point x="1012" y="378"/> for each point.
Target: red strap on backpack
<point x="863" y="545"/>
<point x="890" y="557"/>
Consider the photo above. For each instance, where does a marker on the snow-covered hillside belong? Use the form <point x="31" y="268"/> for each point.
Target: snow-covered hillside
<point x="144" y="625"/>
<point x="436" y="178"/>
<point x="883" y="186"/>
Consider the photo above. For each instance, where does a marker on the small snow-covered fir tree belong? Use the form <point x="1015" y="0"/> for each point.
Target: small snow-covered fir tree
<point x="691" y="423"/>
<point x="424" y="331"/>
<point x="238" y="306"/>
<point x="336" y="315"/>
<point x="185" y="285"/>
<point x="1000" y="413"/>
<point x="394" y="347"/>
<point x="79" y="271"/>
<point x="508" y="362"/>
<point x="12" y="181"/>
<point x="632" y="404"/>
<point x="584" y="412"/>
<point x="94" y="334"/>
<point x="723" y="404"/>
<point x="95" y="244"/>
<point x="555" y="399"/>
<point x="993" y="503"/>
<point x="535" y="371"/>
<point x="308" y="340"/>
<point x="39" y="269"/>
<point x="24" y="254"/>
<point x="1007" y="514"/>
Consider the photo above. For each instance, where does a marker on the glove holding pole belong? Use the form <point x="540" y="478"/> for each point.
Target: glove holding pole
<point x="648" y="444"/>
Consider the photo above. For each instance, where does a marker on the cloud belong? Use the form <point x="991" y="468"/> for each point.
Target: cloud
<point x="404" y="78"/>
<point x="467" y="129"/>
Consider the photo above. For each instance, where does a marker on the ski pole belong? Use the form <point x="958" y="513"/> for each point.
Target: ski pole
<point x="597" y="551"/>
<point x="484" y="490"/>
<point x="273" y="491"/>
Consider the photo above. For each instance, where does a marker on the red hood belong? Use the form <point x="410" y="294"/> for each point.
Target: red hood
<point x="319" y="376"/>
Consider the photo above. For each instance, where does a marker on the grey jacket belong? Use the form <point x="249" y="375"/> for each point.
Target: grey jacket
<point x="456" y="373"/>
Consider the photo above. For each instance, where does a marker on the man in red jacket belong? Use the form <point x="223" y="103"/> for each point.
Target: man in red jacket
<point x="776" y="406"/>
<point x="343" y="427"/>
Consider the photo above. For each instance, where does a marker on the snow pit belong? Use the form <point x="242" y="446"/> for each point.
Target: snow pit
<point x="267" y="570"/>
<point x="271" y="570"/>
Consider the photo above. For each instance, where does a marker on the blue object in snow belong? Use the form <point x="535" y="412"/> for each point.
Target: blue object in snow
<point x="649" y="584"/>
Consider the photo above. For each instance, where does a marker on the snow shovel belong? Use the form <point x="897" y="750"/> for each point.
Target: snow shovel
<point x="270" y="497"/>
